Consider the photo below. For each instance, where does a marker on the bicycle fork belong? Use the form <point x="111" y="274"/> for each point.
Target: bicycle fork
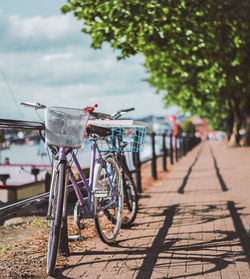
<point x="54" y="190"/>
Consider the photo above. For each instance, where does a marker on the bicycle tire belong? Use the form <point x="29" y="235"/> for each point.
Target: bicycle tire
<point x="130" y="205"/>
<point x="108" y="221"/>
<point x="55" y="221"/>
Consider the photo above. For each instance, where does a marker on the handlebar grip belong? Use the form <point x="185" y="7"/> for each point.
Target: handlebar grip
<point x="27" y="104"/>
<point x="32" y="105"/>
<point x="127" y="110"/>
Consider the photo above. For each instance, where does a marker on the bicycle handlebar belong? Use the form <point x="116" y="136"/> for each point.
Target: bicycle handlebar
<point x="33" y="105"/>
<point x="89" y="109"/>
<point x="119" y="113"/>
<point x="127" y="110"/>
<point x="100" y="115"/>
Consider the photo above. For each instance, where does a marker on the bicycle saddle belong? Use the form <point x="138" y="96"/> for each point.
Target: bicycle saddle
<point x="100" y="131"/>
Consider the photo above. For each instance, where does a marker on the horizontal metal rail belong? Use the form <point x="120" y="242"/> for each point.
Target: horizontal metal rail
<point x="146" y="161"/>
<point x="13" y="208"/>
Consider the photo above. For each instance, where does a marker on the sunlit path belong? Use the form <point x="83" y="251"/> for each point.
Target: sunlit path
<point x="200" y="232"/>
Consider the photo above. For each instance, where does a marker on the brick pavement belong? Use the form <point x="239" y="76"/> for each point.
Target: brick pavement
<point x="194" y="223"/>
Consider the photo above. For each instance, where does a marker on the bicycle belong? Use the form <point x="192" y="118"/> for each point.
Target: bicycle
<point x="64" y="132"/>
<point x="130" y="206"/>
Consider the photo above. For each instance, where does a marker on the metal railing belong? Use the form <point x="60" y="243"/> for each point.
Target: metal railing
<point x="185" y="145"/>
<point x="173" y="152"/>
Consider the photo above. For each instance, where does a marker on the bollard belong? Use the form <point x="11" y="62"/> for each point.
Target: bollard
<point x="184" y="146"/>
<point x="47" y="181"/>
<point x="164" y="150"/>
<point x="153" y="162"/>
<point x="171" y="150"/>
<point x="137" y="164"/>
<point x="176" y="149"/>
<point x="181" y="147"/>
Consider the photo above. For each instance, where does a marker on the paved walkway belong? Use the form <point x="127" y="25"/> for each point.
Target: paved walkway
<point x="195" y="223"/>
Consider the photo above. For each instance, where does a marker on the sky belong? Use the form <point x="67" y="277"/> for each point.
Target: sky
<point x="45" y="58"/>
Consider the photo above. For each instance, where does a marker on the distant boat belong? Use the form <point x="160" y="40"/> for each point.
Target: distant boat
<point x="21" y="181"/>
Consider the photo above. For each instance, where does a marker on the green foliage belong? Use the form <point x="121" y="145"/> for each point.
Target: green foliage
<point x="197" y="52"/>
<point x="188" y="128"/>
<point x="38" y="222"/>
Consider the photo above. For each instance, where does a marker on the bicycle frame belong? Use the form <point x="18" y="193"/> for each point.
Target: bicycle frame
<point x="89" y="207"/>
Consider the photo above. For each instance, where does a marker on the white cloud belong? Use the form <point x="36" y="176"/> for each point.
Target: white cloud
<point x="23" y="34"/>
<point x="52" y="28"/>
<point x="48" y="60"/>
<point x="78" y="96"/>
<point x="57" y="56"/>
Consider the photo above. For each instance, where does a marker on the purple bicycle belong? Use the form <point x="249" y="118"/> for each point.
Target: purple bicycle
<point x="64" y="133"/>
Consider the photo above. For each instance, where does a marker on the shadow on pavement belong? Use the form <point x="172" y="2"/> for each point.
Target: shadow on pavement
<point x="220" y="178"/>
<point x="149" y="261"/>
<point x="239" y="227"/>
<point x="181" y="189"/>
<point x="212" y="249"/>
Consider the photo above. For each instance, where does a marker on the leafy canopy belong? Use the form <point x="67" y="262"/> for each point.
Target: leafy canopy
<point x="197" y="52"/>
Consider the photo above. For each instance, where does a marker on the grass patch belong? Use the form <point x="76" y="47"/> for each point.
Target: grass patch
<point x="4" y="249"/>
<point x="39" y="222"/>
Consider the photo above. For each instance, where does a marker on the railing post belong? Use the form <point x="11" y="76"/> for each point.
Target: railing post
<point x="179" y="150"/>
<point x="47" y="181"/>
<point x="137" y="164"/>
<point x="171" y="149"/>
<point x="176" y="149"/>
<point x="189" y="143"/>
<point x="164" y="149"/>
<point x="153" y="162"/>
<point x="181" y="146"/>
<point x="184" y="145"/>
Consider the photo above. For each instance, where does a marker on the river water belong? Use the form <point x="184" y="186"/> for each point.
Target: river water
<point x="28" y="154"/>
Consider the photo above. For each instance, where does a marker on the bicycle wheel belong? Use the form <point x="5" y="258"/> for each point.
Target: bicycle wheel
<point x="108" y="199"/>
<point x="130" y="205"/>
<point x="55" y="217"/>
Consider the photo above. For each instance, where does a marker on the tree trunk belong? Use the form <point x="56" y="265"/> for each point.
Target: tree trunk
<point x="229" y="126"/>
<point x="247" y="134"/>
<point x="235" y="137"/>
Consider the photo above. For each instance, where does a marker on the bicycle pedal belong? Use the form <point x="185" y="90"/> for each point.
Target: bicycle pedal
<point x="72" y="238"/>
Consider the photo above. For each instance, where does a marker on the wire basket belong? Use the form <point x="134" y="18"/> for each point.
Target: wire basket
<point x="129" y="139"/>
<point x="122" y="139"/>
<point x="65" y="126"/>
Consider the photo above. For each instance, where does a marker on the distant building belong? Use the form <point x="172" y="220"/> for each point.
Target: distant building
<point x="202" y="129"/>
<point x="163" y="124"/>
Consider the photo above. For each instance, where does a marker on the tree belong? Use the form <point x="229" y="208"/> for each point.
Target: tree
<point x="197" y="52"/>
<point x="188" y="128"/>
